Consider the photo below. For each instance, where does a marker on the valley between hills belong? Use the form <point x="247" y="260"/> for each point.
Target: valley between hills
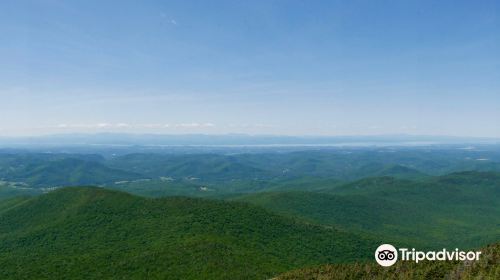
<point x="294" y="215"/>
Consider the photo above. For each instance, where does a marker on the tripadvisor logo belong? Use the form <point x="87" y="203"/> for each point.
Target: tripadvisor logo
<point x="387" y="255"/>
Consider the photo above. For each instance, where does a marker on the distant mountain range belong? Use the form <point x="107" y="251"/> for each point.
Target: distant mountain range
<point x="202" y="174"/>
<point x="114" y="139"/>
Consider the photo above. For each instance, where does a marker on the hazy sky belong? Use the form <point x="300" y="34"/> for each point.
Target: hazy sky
<point x="260" y="67"/>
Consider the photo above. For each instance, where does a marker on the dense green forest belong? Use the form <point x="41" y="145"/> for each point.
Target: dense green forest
<point x="431" y="213"/>
<point x="228" y="215"/>
<point x="96" y="233"/>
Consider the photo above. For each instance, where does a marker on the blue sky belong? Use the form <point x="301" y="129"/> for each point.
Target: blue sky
<point x="258" y="67"/>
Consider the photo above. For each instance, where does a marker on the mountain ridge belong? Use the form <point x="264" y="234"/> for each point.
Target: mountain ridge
<point x="73" y="232"/>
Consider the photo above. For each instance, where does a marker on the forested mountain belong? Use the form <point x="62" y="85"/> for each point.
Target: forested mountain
<point x="231" y="171"/>
<point x="438" y="211"/>
<point x="48" y="170"/>
<point x="96" y="233"/>
<point x="262" y="214"/>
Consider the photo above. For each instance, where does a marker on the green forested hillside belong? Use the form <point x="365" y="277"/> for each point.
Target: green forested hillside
<point x="206" y="167"/>
<point x="461" y="209"/>
<point x="488" y="267"/>
<point x="62" y="171"/>
<point x="9" y="190"/>
<point x="96" y="233"/>
<point x="231" y="171"/>
<point x="281" y="212"/>
<point x="400" y="171"/>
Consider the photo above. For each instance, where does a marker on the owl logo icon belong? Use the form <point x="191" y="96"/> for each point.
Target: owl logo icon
<point x="386" y="255"/>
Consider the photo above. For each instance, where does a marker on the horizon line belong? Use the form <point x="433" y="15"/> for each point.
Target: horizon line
<point x="244" y="134"/>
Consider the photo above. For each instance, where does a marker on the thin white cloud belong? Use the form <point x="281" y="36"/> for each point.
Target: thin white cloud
<point x="188" y="125"/>
<point x="164" y="16"/>
<point x="104" y="125"/>
<point x="122" y="125"/>
<point x="152" y="125"/>
<point x="254" y="125"/>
